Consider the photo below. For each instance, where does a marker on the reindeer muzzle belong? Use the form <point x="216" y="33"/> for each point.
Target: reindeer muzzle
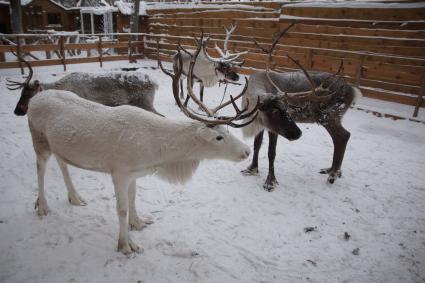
<point x="232" y="76"/>
<point x="21" y="109"/>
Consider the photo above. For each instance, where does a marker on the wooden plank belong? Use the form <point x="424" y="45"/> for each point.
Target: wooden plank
<point x="62" y="52"/>
<point x="100" y="51"/>
<point x="216" y="22"/>
<point x="82" y="46"/>
<point x="396" y="25"/>
<point x="229" y="14"/>
<point x="8" y="48"/>
<point x="358" y="13"/>
<point x="344" y="30"/>
<point x="392" y="97"/>
<point x="96" y="59"/>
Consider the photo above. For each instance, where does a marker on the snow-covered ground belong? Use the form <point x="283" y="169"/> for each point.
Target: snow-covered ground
<point x="222" y="226"/>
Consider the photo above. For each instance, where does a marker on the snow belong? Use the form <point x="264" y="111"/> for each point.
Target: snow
<point x="356" y="4"/>
<point x="126" y="8"/>
<point x="222" y="226"/>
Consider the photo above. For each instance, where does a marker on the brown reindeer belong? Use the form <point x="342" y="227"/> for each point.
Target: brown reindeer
<point x="303" y="97"/>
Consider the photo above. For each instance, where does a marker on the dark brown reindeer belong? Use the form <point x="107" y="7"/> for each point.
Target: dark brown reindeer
<point x="304" y="97"/>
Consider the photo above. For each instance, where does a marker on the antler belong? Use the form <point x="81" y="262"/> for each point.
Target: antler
<point x="296" y="97"/>
<point x="216" y="120"/>
<point x="14" y="85"/>
<point x="225" y="56"/>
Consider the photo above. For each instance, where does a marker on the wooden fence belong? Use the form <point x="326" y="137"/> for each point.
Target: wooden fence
<point x="382" y="49"/>
<point x="98" y="50"/>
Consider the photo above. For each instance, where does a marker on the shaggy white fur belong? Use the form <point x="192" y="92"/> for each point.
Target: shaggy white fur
<point x="125" y="141"/>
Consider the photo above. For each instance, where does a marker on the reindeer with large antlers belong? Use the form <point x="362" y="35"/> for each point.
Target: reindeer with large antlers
<point x="128" y="143"/>
<point x="208" y="71"/>
<point x="304" y="97"/>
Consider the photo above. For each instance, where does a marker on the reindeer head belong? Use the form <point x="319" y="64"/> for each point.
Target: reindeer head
<point x="275" y="117"/>
<point x="227" y="61"/>
<point x="212" y="128"/>
<point x="29" y="89"/>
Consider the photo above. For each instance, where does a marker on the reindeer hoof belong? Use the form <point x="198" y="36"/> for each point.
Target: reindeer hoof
<point x="250" y="171"/>
<point x="268" y="187"/>
<point x="41" y="206"/>
<point x="76" y="200"/>
<point x="270" y="183"/>
<point x="333" y="176"/>
<point x="325" y="171"/>
<point x="139" y="223"/>
<point x="129" y="247"/>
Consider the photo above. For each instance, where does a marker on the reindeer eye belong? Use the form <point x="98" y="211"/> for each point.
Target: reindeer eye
<point x="219" y="138"/>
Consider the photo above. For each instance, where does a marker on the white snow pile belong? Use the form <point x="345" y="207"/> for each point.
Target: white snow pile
<point x="127" y="8"/>
<point x="222" y="226"/>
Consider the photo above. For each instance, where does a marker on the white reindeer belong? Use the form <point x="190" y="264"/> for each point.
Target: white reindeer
<point x="209" y="71"/>
<point x="128" y="143"/>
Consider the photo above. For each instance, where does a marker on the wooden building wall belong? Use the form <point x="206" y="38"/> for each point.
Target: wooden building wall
<point x="5" y="19"/>
<point x="43" y="14"/>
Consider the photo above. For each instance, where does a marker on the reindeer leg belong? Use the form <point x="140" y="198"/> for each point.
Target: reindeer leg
<point x="201" y="92"/>
<point x="41" y="203"/>
<point x="42" y="150"/>
<point x="73" y="196"/>
<point x="253" y="168"/>
<point x="121" y="186"/>
<point x="271" y="179"/>
<point x="340" y="137"/>
<point x="135" y="222"/>
<point x="187" y="98"/>
<point x="181" y="89"/>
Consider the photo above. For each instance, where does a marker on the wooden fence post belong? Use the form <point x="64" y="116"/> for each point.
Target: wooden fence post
<point x="62" y="51"/>
<point x="19" y="53"/>
<point x="310" y="59"/>
<point x="130" y="51"/>
<point x="419" y="101"/>
<point x="157" y="53"/>
<point x="99" y="50"/>
<point x="143" y="46"/>
<point x="48" y="53"/>
<point x="359" y="72"/>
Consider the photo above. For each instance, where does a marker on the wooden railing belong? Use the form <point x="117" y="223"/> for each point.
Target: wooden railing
<point x="108" y="47"/>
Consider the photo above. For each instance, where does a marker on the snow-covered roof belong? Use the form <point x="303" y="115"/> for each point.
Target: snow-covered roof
<point x="70" y="4"/>
<point x="126" y="8"/>
<point x="98" y="10"/>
